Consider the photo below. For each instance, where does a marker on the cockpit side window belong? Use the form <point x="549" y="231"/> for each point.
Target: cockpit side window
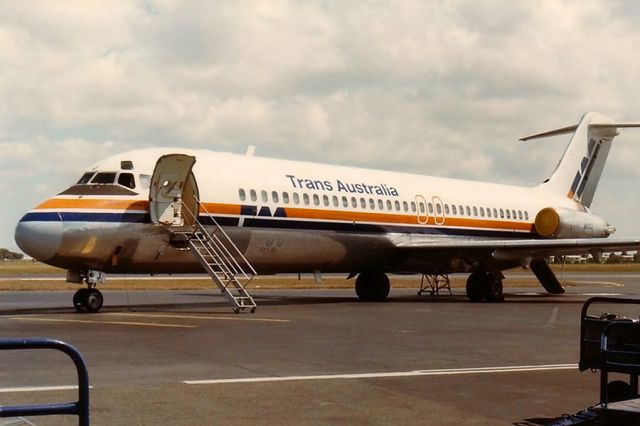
<point x="86" y="178"/>
<point x="145" y="181"/>
<point x="127" y="179"/>
<point x="104" y="178"/>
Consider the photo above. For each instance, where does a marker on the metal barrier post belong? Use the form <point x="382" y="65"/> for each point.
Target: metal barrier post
<point x="79" y="408"/>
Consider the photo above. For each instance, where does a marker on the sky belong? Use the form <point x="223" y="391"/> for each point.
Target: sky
<point x="433" y="87"/>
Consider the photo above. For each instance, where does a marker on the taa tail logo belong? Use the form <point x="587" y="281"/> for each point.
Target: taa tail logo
<point x="586" y="165"/>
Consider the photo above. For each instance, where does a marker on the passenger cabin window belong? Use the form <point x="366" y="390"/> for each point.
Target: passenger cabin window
<point x="372" y="204"/>
<point x="104" y="178"/>
<point x="397" y="205"/>
<point x="296" y="198"/>
<point x="389" y="205"/>
<point x="86" y="178"/>
<point x="254" y="196"/>
<point x="526" y="215"/>
<point x="274" y="196"/>
<point x="345" y="202"/>
<point x="285" y="197"/>
<point x="354" y="202"/>
<point x="453" y="209"/>
<point x="363" y="203"/>
<point x="413" y="206"/>
<point x="316" y="199"/>
<point x="335" y="201"/>
<point x="475" y="211"/>
<point x="439" y="208"/>
<point x="446" y="209"/>
<point x="405" y="206"/>
<point x="242" y="194"/>
<point x="430" y="208"/>
<point x="421" y="207"/>
<point x="380" y="205"/>
<point x="127" y="179"/>
<point x="264" y="196"/>
<point x="325" y="200"/>
<point x="481" y="211"/>
<point x="305" y="199"/>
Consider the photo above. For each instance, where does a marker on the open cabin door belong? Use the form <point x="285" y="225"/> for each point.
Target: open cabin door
<point x="173" y="195"/>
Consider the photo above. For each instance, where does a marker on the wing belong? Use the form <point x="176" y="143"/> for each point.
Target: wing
<point x="518" y="249"/>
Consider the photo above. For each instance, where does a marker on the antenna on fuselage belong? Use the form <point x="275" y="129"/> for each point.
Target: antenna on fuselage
<point x="251" y="149"/>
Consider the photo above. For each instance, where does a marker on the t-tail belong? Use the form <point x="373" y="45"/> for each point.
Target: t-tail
<point x="579" y="170"/>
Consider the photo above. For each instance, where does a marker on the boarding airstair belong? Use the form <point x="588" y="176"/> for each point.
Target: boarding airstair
<point x="221" y="258"/>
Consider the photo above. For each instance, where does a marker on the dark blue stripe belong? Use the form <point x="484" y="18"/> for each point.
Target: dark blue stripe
<point x="86" y="217"/>
<point x="375" y="229"/>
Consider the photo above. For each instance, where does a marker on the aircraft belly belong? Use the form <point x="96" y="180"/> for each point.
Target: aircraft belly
<point x="274" y="251"/>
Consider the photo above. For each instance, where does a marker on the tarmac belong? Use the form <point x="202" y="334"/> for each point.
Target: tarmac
<point x="309" y="356"/>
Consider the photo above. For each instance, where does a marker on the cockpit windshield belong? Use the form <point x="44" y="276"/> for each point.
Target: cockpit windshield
<point x="86" y="178"/>
<point x="104" y="178"/>
<point x="108" y="178"/>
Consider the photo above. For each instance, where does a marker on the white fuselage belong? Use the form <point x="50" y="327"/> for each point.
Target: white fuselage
<point x="285" y="216"/>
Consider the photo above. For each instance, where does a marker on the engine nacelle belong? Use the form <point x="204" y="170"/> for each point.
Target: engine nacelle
<point x="565" y="223"/>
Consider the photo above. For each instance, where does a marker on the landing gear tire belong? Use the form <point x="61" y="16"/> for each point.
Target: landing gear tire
<point x="88" y="300"/>
<point x="372" y="286"/>
<point x="492" y="289"/>
<point x="475" y="287"/>
<point x="484" y="287"/>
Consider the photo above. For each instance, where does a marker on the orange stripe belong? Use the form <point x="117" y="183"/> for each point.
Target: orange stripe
<point x="220" y="208"/>
<point x="88" y="203"/>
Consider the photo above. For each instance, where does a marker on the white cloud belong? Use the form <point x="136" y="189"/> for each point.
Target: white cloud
<point x="429" y="87"/>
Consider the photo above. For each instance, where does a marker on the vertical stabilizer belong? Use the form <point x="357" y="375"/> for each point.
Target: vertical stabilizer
<point x="579" y="170"/>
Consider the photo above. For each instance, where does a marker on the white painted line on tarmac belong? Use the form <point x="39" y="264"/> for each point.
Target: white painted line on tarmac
<point x="40" y="389"/>
<point x="440" y="372"/>
<point x="138" y="324"/>
<point x="604" y="283"/>
<point x="602" y="294"/>
<point x="204" y="317"/>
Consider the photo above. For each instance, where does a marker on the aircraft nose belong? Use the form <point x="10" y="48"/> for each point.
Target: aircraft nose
<point x="40" y="240"/>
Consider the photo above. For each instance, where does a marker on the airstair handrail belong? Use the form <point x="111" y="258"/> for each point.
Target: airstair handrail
<point x="238" y="252"/>
<point x="79" y="408"/>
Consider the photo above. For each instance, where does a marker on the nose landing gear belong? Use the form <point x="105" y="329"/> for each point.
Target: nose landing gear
<point x="87" y="299"/>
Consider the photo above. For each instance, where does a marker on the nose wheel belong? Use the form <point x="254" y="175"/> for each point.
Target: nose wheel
<point x="88" y="300"/>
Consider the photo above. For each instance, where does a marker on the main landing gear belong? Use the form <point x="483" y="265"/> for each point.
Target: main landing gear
<point x="87" y="299"/>
<point x="484" y="287"/>
<point x="372" y="286"/>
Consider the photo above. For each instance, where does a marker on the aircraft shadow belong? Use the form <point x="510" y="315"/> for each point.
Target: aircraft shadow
<point x="215" y="301"/>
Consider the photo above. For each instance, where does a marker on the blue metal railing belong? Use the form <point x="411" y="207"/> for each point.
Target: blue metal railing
<point x="79" y="408"/>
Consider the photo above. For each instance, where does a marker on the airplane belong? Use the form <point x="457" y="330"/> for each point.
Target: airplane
<point x="132" y="212"/>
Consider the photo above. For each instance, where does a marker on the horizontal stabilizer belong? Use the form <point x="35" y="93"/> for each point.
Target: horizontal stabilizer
<point x="563" y="131"/>
<point x="571" y="129"/>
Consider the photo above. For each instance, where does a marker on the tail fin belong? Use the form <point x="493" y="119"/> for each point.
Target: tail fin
<point x="579" y="170"/>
